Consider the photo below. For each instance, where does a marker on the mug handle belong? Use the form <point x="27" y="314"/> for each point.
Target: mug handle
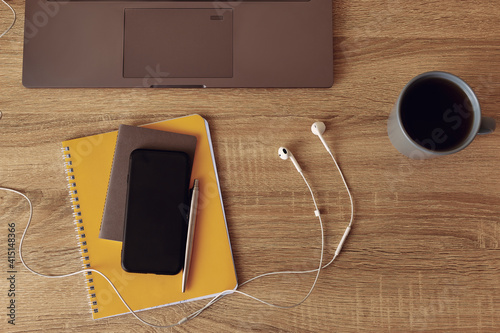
<point x="487" y="126"/>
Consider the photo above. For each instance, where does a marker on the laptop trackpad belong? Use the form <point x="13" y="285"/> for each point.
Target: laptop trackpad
<point x="178" y="43"/>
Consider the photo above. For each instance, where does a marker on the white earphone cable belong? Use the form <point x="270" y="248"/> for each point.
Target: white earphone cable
<point x="339" y="247"/>
<point x="293" y="272"/>
<point x="13" y="21"/>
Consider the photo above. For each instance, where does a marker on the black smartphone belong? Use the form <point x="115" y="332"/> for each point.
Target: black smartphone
<point x="156" y="223"/>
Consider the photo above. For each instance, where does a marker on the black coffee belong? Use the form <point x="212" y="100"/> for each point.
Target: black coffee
<point x="436" y="114"/>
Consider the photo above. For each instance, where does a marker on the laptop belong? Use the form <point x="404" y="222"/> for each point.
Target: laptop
<point x="179" y="43"/>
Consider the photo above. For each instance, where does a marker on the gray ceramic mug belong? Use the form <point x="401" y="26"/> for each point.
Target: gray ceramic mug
<point x="436" y="114"/>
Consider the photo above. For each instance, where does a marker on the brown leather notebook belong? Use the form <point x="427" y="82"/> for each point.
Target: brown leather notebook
<point x="131" y="138"/>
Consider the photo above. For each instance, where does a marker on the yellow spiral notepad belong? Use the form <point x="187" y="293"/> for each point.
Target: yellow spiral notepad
<point x="88" y="163"/>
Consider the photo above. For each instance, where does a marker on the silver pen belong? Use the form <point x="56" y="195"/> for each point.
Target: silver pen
<point x="190" y="233"/>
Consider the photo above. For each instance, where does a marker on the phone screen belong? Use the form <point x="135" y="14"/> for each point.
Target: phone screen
<point x="156" y="212"/>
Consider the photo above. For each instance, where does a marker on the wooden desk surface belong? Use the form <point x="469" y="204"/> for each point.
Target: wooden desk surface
<point x="423" y="254"/>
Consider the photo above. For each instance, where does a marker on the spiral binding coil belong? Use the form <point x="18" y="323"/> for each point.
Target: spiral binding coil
<point x="79" y="227"/>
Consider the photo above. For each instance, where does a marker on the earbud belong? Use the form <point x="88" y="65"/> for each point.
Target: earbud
<point x="285" y="154"/>
<point x="318" y="128"/>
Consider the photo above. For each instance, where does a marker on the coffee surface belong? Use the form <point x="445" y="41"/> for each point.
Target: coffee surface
<point x="436" y="114"/>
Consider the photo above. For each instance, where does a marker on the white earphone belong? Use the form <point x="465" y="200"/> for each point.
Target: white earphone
<point x="318" y="129"/>
<point x="286" y="154"/>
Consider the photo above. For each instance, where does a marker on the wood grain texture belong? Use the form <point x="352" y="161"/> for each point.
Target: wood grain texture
<point x="423" y="254"/>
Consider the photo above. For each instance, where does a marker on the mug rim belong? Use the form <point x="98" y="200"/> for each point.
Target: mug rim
<point x="476" y="109"/>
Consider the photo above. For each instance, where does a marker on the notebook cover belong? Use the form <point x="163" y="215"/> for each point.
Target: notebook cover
<point x="129" y="139"/>
<point x="88" y="162"/>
